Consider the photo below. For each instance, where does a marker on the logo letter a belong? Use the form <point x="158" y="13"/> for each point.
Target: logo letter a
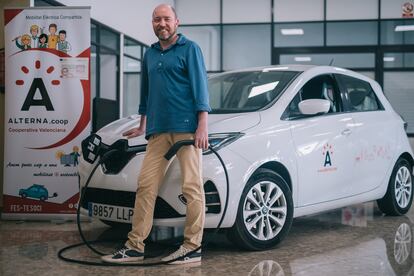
<point x="30" y="100"/>
<point x="327" y="159"/>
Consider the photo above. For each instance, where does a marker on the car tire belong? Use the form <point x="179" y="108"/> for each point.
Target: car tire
<point x="265" y="212"/>
<point x="24" y="195"/>
<point x="399" y="197"/>
<point x="42" y="198"/>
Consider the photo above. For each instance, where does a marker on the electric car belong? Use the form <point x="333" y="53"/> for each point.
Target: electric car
<point x="36" y="191"/>
<point x="296" y="140"/>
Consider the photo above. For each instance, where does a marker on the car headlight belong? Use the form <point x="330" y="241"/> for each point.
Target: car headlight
<point x="219" y="140"/>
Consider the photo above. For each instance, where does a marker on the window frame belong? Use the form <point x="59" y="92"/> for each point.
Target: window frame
<point x="286" y="116"/>
<point x="348" y="107"/>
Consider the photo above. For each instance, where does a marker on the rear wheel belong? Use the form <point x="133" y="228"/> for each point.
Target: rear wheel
<point x="265" y="212"/>
<point x="398" y="199"/>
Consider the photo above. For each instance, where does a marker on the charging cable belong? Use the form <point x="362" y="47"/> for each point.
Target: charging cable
<point x="171" y="152"/>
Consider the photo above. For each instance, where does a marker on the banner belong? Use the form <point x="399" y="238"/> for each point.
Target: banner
<point x="47" y="112"/>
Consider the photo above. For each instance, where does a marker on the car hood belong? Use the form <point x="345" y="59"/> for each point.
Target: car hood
<point x="218" y="123"/>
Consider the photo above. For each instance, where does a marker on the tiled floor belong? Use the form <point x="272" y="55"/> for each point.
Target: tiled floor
<point x="356" y="240"/>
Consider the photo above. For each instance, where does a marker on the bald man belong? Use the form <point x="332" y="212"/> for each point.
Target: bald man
<point x="174" y="106"/>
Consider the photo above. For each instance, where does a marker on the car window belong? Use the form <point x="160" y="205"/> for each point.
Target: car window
<point x="222" y="89"/>
<point x="246" y="91"/>
<point x="361" y="96"/>
<point x="321" y="87"/>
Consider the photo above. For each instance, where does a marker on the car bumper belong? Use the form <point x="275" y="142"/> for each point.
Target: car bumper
<point x="120" y="189"/>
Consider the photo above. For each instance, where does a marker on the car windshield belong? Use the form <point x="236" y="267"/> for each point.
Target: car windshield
<point x="246" y="91"/>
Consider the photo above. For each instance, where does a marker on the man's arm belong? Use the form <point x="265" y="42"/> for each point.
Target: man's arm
<point x="21" y="47"/>
<point x="198" y="78"/>
<point x="198" y="83"/>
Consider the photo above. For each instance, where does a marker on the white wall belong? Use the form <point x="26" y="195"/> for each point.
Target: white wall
<point x="130" y="17"/>
<point x="392" y="8"/>
<point x="246" y="11"/>
<point x="198" y="11"/>
<point x="354" y="9"/>
<point x="298" y="10"/>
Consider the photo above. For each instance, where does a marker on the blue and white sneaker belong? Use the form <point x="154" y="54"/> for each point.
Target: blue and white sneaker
<point x="124" y="255"/>
<point x="181" y="258"/>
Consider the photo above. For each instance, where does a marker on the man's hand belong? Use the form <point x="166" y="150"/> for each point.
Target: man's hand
<point x="137" y="131"/>
<point x="201" y="135"/>
<point x="134" y="132"/>
<point x="201" y="138"/>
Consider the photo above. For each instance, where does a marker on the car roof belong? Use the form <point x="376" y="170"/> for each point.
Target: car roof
<point x="287" y="67"/>
<point x="300" y="68"/>
<point x="319" y="69"/>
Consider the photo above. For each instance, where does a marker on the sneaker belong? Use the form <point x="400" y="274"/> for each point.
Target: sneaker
<point x="124" y="255"/>
<point x="179" y="255"/>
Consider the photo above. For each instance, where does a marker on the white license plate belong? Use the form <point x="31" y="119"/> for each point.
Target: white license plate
<point x="110" y="212"/>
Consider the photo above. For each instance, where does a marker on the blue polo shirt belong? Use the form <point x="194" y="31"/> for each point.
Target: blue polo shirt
<point x="173" y="87"/>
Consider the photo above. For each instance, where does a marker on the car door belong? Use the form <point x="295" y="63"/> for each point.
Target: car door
<point x="32" y="192"/>
<point x="373" y="136"/>
<point x="322" y="144"/>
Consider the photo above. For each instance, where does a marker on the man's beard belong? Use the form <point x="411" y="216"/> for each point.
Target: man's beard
<point x="160" y="37"/>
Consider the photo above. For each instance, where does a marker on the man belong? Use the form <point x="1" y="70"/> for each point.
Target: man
<point x="34" y="31"/>
<point x="63" y="45"/>
<point x="52" y="38"/>
<point x="174" y="106"/>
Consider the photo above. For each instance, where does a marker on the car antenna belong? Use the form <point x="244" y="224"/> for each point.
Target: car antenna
<point x="332" y="60"/>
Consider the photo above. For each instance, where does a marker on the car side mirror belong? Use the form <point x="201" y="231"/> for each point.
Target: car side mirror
<point x="314" y="106"/>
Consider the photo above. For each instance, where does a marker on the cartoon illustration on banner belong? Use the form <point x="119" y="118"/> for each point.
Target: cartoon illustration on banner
<point x="47" y="108"/>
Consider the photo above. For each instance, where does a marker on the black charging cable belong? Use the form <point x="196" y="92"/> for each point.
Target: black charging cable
<point x="171" y="152"/>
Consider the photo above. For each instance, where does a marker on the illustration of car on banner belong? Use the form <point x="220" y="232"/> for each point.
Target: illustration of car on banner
<point x="296" y="140"/>
<point x="36" y="191"/>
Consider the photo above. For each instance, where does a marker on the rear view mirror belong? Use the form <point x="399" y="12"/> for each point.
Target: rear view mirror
<point x="314" y="106"/>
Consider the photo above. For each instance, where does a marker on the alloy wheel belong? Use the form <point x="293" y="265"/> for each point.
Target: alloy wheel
<point x="264" y="210"/>
<point x="403" y="187"/>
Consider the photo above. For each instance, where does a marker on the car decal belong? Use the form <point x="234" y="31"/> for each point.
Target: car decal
<point x="327" y="152"/>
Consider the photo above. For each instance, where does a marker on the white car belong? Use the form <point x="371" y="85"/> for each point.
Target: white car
<point x="296" y="140"/>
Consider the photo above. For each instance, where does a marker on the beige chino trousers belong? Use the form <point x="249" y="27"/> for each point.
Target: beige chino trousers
<point x="150" y="179"/>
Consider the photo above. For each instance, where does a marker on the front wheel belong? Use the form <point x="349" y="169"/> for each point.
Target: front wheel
<point x="265" y="212"/>
<point x="399" y="197"/>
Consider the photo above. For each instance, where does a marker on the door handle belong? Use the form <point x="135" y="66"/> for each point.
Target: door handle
<point x="346" y="132"/>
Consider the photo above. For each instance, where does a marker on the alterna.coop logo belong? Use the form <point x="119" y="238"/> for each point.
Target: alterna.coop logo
<point x="328" y="153"/>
